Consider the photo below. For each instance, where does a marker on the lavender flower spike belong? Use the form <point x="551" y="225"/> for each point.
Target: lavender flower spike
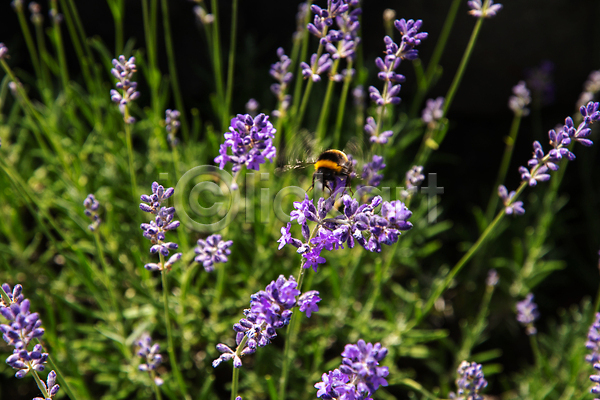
<point x="3" y="51"/>
<point x="50" y="387"/>
<point x="521" y="99"/>
<point x="433" y="111"/>
<point x="212" y="251"/>
<point x="123" y="70"/>
<point x="507" y="198"/>
<point x="251" y="143"/>
<point x="163" y="222"/>
<point x="470" y="381"/>
<point x="527" y="313"/>
<point x="359" y="375"/>
<point x="484" y="10"/>
<point x="91" y="210"/>
<point x="150" y="353"/>
<point x="593" y="342"/>
<point x="172" y="125"/>
<point x="270" y="309"/>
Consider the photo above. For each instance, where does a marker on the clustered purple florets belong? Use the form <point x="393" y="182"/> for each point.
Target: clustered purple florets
<point x="484" y="8"/>
<point x="540" y="164"/>
<point x="91" y="210"/>
<point x="433" y="111"/>
<point x="339" y="43"/>
<point x="470" y="382"/>
<point x="280" y="72"/>
<point x="155" y="229"/>
<point x="212" y="251"/>
<point x="593" y="344"/>
<point x="150" y="353"/>
<point x="507" y="199"/>
<point x="3" y="51"/>
<point x="123" y="70"/>
<point x="251" y="143"/>
<point x="270" y="309"/>
<point x="527" y="313"/>
<point x="359" y="375"/>
<point x="172" y="125"/>
<point x="357" y="223"/>
<point x="394" y="54"/>
<point x="24" y="326"/>
<point x="520" y="100"/>
<point x="370" y="174"/>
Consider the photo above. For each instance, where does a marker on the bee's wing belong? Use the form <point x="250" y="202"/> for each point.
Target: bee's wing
<point x="296" y="153"/>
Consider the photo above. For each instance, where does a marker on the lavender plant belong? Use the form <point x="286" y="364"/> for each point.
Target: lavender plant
<point x="428" y="301"/>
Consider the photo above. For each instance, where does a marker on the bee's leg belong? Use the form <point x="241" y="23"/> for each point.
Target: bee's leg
<point x="349" y="186"/>
<point x="313" y="184"/>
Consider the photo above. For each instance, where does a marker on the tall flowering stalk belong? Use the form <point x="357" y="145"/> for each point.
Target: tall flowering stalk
<point x="123" y="70"/>
<point x="270" y="309"/>
<point x="394" y="54"/>
<point x="23" y="327"/>
<point x="518" y="104"/>
<point x="149" y="352"/>
<point x="155" y="231"/>
<point x="470" y="382"/>
<point x="361" y="224"/>
<point x="539" y="168"/>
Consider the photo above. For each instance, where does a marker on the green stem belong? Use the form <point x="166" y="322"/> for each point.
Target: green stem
<point x="235" y="377"/>
<point x="39" y="34"/>
<point x="342" y="106"/>
<point x="115" y="304"/>
<point x="216" y="304"/>
<point x="29" y="42"/>
<point x="171" y="346"/>
<point x="462" y="67"/>
<point x="231" y="62"/>
<point x="216" y="58"/>
<point x="173" y="70"/>
<point x="130" y="154"/>
<point x="149" y="17"/>
<point x="62" y="60"/>
<point x="432" y="67"/>
<point x="38" y="381"/>
<point x="325" y="106"/>
<point x="119" y="17"/>
<point x="437" y="292"/>
<point x="60" y="377"/>
<point x="504" y="165"/>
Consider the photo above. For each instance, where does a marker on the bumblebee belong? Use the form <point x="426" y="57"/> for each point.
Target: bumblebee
<point x="331" y="168"/>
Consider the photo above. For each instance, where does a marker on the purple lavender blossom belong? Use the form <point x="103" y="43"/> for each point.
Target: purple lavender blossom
<point x="123" y="70"/>
<point x="481" y="10"/>
<point x="470" y="381"/>
<point x="50" y="387"/>
<point x="316" y="67"/>
<point x="371" y="174"/>
<point x="3" y="51"/>
<point x="172" y="125"/>
<point x="507" y="198"/>
<point x="371" y="129"/>
<point x="357" y="223"/>
<point x="541" y="164"/>
<point x="203" y="17"/>
<point x="91" y="210"/>
<point x="252" y="107"/>
<point x="527" y="313"/>
<point x="251" y="143"/>
<point x="212" y="251"/>
<point x="540" y="80"/>
<point x="521" y="99"/>
<point x="36" y="13"/>
<point x="414" y="178"/>
<point x="433" y="111"/>
<point x="593" y="342"/>
<point x="155" y="229"/>
<point x="23" y="326"/>
<point x="492" y="278"/>
<point x="24" y="361"/>
<point x="590" y="88"/>
<point x="270" y="309"/>
<point x="150" y="354"/>
<point x="359" y="375"/>
<point x="596" y="380"/>
<point x="280" y="72"/>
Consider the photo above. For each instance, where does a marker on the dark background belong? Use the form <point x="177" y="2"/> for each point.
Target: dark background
<point x="523" y="36"/>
